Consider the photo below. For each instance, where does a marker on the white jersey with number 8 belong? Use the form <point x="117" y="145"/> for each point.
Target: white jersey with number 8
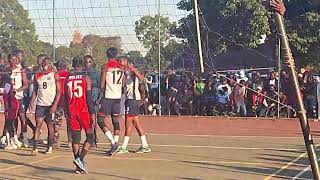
<point x="46" y="89"/>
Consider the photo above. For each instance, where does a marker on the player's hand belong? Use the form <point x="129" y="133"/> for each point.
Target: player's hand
<point x="53" y="109"/>
<point x="278" y="6"/>
<point x="93" y="119"/>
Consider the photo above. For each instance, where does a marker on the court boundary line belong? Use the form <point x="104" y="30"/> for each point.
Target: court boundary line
<point x="303" y="171"/>
<point x="227" y="136"/>
<point x="26" y="164"/>
<point x="288" y="164"/>
<point x="215" y="147"/>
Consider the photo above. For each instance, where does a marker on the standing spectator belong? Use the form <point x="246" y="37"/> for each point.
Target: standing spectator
<point x="256" y="82"/>
<point x="318" y="95"/>
<point x="198" y="90"/>
<point x="239" y="95"/>
<point x="310" y="92"/>
<point x="259" y="103"/>
<point x="223" y="100"/>
<point x="272" y="81"/>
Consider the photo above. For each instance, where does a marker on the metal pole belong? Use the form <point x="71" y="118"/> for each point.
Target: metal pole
<point x="301" y="109"/>
<point x="279" y="71"/>
<point x="196" y="13"/>
<point x="159" y="55"/>
<point x="53" y="31"/>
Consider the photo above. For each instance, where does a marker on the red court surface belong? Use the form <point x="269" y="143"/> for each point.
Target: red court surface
<point x="182" y="148"/>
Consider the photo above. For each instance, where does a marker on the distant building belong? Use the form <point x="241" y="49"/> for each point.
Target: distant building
<point x="77" y="37"/>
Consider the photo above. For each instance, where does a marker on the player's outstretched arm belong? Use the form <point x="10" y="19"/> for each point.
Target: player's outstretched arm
<point x="57" y="97"/>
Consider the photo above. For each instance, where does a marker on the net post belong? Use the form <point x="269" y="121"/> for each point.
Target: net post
<point x="289" y="60"/>
<point x="196" y="13"/>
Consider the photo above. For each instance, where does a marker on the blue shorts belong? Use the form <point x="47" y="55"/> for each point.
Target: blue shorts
<point x="132" y="107"/>
<point x="110" y="107"/>
<point x="44" y="112"/>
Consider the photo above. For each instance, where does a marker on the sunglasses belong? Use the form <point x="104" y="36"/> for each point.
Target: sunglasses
<point x="89" y="62"/>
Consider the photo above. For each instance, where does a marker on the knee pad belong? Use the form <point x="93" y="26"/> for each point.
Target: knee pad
<point x="101" y="122"/>
<point x="115" y="122"/>
<point x="90" y="138"/>
<point x="76" y="137"/>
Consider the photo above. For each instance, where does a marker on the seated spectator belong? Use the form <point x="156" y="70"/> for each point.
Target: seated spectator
<point x="273" y="94"/>
<point x="185" y="102"/>
<point x="259" y="103"/>
<point x="198" y="90"/>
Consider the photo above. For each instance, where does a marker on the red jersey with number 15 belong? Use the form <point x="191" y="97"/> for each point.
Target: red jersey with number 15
<point x="76" y="88"/>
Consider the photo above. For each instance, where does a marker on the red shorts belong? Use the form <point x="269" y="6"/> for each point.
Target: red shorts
<point x="81" y="120"/>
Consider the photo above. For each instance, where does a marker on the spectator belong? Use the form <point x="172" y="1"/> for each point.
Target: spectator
<point x="273" y="94"/>
<point x="198" y="90"/>
<point x="310" y="92"/>
<point x="259" y="103"/>
<point x="239" y="95"/>
<point x="256" y="82"/>
<point x="223" y="99"/>
<point x="272" y="81"/>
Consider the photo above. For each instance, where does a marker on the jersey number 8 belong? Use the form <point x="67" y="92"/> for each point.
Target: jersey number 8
<point x="75" y="89"/>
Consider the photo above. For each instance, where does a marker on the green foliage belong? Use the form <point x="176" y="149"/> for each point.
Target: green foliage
<point x="18" y="32"/>
<point x="147" y="32"/>
<point x="233" y="22"/>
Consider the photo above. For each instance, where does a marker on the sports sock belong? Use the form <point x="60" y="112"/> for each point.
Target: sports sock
<point x="110" y="137"/>
<point x="116" y="138"/>
<point x="144" y="141"/>
<point x="125" y="142"/>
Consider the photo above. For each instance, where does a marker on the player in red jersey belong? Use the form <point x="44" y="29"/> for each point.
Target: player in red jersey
<point x="11" y="107"/>
<point x="63" y="74"/>
<point x="80" y="109"/>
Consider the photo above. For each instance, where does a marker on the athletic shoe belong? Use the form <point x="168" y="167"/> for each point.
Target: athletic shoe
<point x="10" y="147"/>
<point x="34" y="152"/>
<point x="78" y="170"/>
<point x="49" y="150"/>
<point x="85" y="170"/>
<point x="143" y="150"/>
<point x="17" y="142"/>
<point x="122" y="151"/>
<point x="3" y="140"/>
<point x="79" y="164"/>
<point x="114" y="149"/>
<point x="12" y="143"/>
<point x="25" y="142"/>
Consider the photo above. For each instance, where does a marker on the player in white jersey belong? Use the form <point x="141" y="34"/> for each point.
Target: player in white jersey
<point x="111" y="84"/>
<point x="132" y="104"/>
<point x="20" y="84"/>
<point x="46" y="94"/>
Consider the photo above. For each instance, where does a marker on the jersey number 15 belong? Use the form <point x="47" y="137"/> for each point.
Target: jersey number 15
<point x="75" y="89"/>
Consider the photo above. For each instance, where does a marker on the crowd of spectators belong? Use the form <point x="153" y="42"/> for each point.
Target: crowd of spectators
<point x="254" y="94"/>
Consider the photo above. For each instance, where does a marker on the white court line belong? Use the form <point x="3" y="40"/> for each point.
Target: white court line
<point x="288" y="165"/>
<point x="214" y="136"/>
<point x="303" y="171"/>
<point x="26" y="164"/>
<point x="217" y="147"/>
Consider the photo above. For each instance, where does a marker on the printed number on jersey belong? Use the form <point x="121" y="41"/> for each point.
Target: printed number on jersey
<point x="117" y="77"/>
<point x="75" y="88"/>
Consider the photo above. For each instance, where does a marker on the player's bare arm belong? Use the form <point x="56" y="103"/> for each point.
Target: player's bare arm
<point x="34" y="94"/>
<point x="102" y="83"/>
<point x="137" y="72"/>
<point x="25" y="82"/>
<point x="57" y="97"/>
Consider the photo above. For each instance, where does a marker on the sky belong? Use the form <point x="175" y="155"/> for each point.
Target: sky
<point x="99" y="17"/>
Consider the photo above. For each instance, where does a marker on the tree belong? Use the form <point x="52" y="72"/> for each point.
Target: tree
<point x="98" y="46"/>
<point x="235" y="24"/>
<point x="17" y="31"/>
<point x="147" y="32"/>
